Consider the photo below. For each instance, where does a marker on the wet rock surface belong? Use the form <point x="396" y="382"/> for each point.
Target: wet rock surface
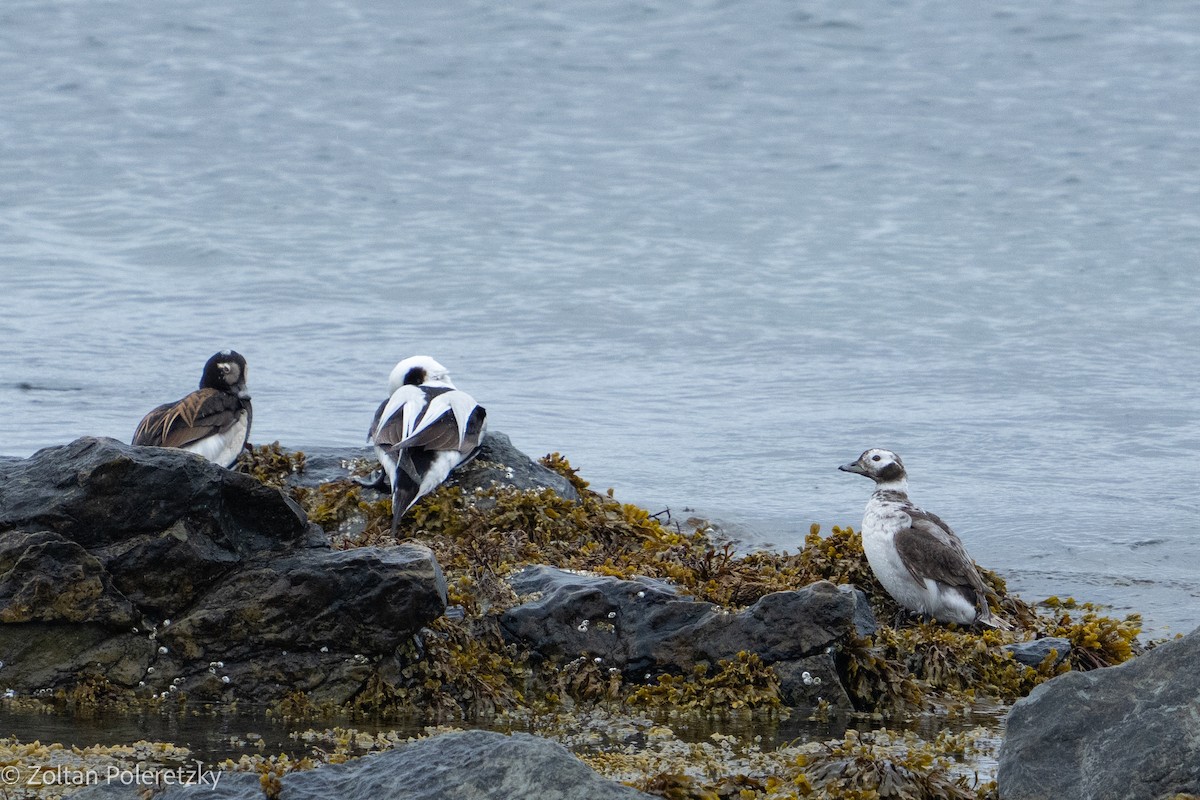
<point x="156" y="570"/>
<point x="470" y="764"/>
<point x="1033" y="653"/>
<point x="644" y="627"/>
<point x="1127" y="731"/>
<point x="498" y="462"/>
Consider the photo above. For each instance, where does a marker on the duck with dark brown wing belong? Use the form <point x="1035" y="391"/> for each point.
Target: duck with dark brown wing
<point x="916" y="557"/>
<point x="213" y="421"/>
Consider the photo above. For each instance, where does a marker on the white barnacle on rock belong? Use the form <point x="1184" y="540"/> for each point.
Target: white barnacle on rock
<point x="583" y="626"/>
<point x="324" y="649"/>
<point x="166" y="623"/>
<point x="9" y="694"/>
<point x="641" y="594"/>
<point x="133" y="630"/>
<point x="162" y="651"/>
<point x="150" y="670"/>
<point x="224" y="679"/>
<point x="597" y="659"/>
<point x="612" y="615"/>
<point x="807" y="678"/>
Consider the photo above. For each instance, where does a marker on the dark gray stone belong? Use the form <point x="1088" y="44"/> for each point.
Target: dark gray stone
<point x="864" y="618"/>
<point x="807" y="681"/>
<point x="103" y="493"/>
<point x="159" y="571"/>
<point x="1034" y="652"/>
<point x="471" y="765"/>
<point x="498" y="463"/>
<point x="501" y="464"/>
<point x="1125" y="732"/>
<point x="644" y="626"/>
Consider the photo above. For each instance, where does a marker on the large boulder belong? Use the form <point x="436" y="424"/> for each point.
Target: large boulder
<point x="645" y="627"/>
<point x="156" y="570"/>
<point x="498" y="463"/>
<point x="1125" y="732"/>
<point x="472" y="764"/>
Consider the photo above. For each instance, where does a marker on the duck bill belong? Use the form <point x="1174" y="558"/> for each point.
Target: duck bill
<point x="854" y="467"/>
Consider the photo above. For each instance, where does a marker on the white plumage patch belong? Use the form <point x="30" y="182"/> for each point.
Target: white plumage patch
<point x="424" y="430"/>
<point x="223" y="448"/>
<point x="915" y="556"/>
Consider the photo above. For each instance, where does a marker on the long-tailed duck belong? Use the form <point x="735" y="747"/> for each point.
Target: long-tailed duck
<point x="423" y="430"/>
<point x="914" y="554"/>
<point x="213" y="421"/>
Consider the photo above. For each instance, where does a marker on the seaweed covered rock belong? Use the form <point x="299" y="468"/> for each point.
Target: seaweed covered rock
<point x="497" y="463"/>
<point x="1035" y="651"/>
<point x="645" y="626"/>
<point x="467" y="764"/>
<point x="154" y="570"/>
<point x="1127" y="731"/>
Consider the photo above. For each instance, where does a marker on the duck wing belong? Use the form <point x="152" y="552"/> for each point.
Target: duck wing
<point x="429" y="417"/>
<point x="202" y="413"/>
<point x="931" y="550"/>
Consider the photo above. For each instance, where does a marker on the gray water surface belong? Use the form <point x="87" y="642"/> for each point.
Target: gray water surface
<point x="707" y="250"/>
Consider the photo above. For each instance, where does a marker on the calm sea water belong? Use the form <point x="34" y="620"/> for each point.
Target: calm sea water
<point x="707" y="250"/>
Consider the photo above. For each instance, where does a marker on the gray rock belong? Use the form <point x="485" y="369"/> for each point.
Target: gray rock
<point x="1033" y="653"/>
<point x="1126" y="732"/>
<point x="498" y="462"/>
<point x="102" y="493"/>
<point x="157" y="570"/>
<point x="471" y="765"/>
<point x="644" y="626"/>
<point x="807" y="681"/>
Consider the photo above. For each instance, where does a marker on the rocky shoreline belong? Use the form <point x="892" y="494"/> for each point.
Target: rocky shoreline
<point x="140" y="576"/>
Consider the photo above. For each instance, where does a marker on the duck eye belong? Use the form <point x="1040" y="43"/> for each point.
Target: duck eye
<point x="875" y="458"/>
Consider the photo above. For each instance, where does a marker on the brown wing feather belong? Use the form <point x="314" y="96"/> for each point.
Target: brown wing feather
<point x="475" y="428"/>
<point x="933" y="551"/>
<point x="375" y="422"/>
<point x="441" y="434"/>
<point x="200" y="414"/>
<point x="391" y="432"/>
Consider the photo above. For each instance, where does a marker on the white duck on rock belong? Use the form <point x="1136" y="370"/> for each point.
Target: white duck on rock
<point x="425" y="429"/>
<point x="916" y="557"/>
